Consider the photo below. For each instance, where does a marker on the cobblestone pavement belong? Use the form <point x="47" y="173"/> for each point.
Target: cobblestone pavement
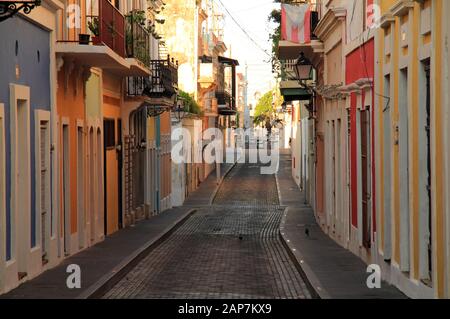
<point x="229" y="250"/>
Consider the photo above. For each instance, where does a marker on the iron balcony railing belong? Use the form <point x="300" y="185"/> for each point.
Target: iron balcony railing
<point x="162" y="83"/>
<point x="138" y="41"/>
<point x="105" y="25"/>
<point x="287" y="70"/>
<point x="224" y="98"/>
<point x="136" y="85"/>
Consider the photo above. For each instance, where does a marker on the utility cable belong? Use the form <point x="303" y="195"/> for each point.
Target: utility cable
<point x="243" y="30"/>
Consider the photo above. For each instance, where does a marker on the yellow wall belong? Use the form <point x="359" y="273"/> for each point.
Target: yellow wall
<point x="111" y="110"/>
<point x="439" y="204"/>
<point x="437" y="116"/>
<point x="179" y="33"/>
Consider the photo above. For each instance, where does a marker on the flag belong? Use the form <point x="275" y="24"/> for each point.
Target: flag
<point x="296" y="23"/>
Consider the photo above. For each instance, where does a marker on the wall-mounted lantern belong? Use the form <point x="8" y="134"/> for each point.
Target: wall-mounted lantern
<point x="303" y="68"/>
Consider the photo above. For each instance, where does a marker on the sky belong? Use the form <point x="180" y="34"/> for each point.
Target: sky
<point x="252" y="15"/>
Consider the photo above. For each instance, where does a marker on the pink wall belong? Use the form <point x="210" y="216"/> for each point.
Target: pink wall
<point x="359" y="64"/>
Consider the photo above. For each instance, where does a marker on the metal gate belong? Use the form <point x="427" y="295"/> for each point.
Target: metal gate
<point x="135" y="166"/>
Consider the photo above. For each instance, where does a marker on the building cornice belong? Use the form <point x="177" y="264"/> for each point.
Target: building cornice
<point x="329" y="22"/>
<point x="401" y="8"/>
<point x="386" y="20"/>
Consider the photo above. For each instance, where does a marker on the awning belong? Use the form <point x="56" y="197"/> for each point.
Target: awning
<point x="228" y="61"/>
<point x="296" y="94"/>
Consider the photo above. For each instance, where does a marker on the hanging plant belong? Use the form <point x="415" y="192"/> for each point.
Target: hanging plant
<point x="136" y="17"/>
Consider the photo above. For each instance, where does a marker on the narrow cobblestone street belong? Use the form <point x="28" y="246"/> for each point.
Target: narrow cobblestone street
<point x="229" y="250"/>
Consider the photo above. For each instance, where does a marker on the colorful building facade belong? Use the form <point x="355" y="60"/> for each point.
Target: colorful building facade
<point x="84" y="129"/>
<point x="29" y="218"/>
<point x="195" y="39"/>
<point x="381" y="135"/>
<point x="411" y="101"/>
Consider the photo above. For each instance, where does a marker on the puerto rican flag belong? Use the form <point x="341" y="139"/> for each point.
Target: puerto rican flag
<point x="296" y="23"/>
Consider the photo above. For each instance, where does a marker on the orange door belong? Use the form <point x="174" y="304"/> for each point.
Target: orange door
<point x="111" y="177"/>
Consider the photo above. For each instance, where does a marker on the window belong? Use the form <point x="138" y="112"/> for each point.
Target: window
<point x="110" y="133"/>
<point x="19" y="224"/>
<point x="43" y="198"/>
<point x="425" y="17"/>
<point x="80" y="186"/>
<point x="365" y="190"/>
<point x="66" y="191"/>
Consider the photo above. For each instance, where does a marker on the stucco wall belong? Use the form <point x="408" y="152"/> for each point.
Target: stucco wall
<point x="31" y="39"/>
<point x="180" y="35"/>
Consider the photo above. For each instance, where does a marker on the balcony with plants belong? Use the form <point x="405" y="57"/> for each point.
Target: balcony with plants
<point x="106" y="25"/>
<point x="97" y="39"/>
<point x="139" y="37"/>
<point x="161" y="84"/>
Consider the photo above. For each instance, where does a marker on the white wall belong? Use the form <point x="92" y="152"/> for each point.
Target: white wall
<point x="178" y="177"/>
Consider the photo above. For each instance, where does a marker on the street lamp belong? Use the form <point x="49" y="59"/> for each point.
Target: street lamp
<point x="180" y="108"/>
<point x="9" y="8"/>
<point x="303" y="68"/>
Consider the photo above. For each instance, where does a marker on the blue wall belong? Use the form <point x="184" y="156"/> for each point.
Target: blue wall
<point x="34" y="72"/>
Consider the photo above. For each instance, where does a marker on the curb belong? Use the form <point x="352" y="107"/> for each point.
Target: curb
<point x="214" y="194"/>
<point x="304" y="269"/>
<point x="108" y="280"/>
<point x="313" y="283"/>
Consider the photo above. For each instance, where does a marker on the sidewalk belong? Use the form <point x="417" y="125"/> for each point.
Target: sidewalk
<point x="103" y="263"/>
<point x="205" y="194"/>
<point x="333" y="271"/>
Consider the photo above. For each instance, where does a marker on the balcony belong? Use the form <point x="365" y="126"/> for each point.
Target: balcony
<point x="225" y="103"/>
<point x="161" y="84"/>
<point x="288" y="50"/>
<point x="164" y="79"/>
<point x="287" y="70"/>
<point x="111" y="27"/>
<point x="99" y="41"/>
<point x="137" y="47"/>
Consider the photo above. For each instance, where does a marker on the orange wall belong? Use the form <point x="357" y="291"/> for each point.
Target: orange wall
<point x="70" y="104"/>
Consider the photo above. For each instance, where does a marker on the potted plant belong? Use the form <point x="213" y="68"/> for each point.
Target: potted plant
<point x="84" y="38"/>
<point x="93" y="26"/>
